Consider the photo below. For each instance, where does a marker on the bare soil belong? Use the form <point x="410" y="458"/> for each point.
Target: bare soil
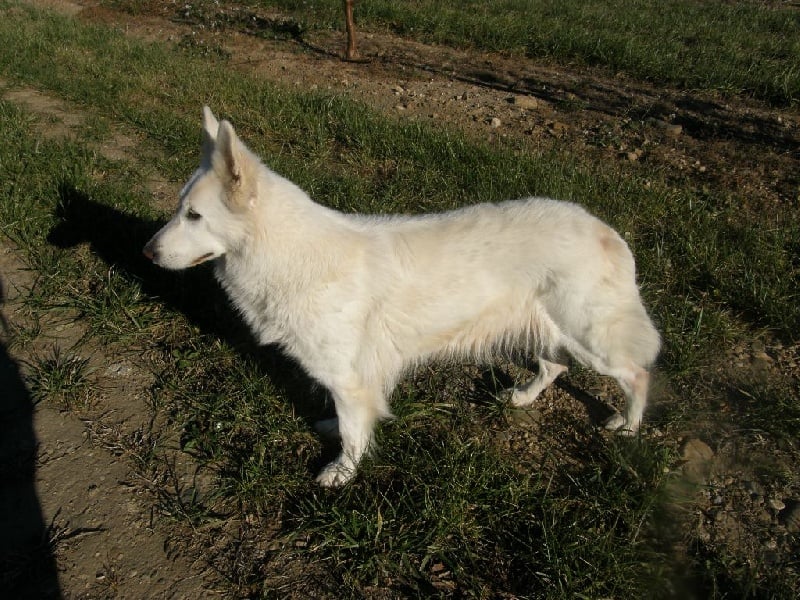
<point x="88" y="503"/>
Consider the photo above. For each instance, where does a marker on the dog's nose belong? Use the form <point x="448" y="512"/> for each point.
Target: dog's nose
<point x="149" y="252"/>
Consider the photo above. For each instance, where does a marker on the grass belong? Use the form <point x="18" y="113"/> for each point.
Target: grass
<point x="442" y="508"/>
<point x="58" y="377"/>
<point x="733" y="47"/>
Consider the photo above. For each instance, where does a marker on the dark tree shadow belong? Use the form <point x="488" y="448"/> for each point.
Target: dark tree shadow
<point x="27" y="564"/>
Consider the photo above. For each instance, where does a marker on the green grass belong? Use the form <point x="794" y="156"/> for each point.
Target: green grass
<point x="442" y="508"/>
<point x="57" y="377"/>
<point x="734" y="47"/>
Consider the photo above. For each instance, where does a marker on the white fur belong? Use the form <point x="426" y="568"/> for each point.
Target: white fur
<point x="357" y="299"/>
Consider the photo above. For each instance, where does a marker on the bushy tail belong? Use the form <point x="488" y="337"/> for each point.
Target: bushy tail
<point x="633" y="336"/>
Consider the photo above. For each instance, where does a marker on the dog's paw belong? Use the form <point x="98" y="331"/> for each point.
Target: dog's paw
<point x="614" y="422"/>
<point x="335" y="475"/>
<point x="520" y="398"/>
<point x="617" y="424"/>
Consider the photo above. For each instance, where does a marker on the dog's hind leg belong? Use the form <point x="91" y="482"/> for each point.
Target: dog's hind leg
<point x="634" y="382"/>
<point x="525" y="394"/>
<point x="357" y="411"/>
<point x="632" y="378"/>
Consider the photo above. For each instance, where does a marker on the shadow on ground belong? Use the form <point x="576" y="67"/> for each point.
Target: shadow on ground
<point x="117" y="238"/>
<point x="27" y="564"/>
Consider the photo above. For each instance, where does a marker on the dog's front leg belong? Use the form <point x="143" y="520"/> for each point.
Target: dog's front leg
<point x="356" y="411"/>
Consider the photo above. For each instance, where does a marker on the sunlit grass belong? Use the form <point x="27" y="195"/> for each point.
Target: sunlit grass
<point x="441" y="507"/>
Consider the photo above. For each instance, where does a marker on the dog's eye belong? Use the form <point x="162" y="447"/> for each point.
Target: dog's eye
<point x="192" y="215"/>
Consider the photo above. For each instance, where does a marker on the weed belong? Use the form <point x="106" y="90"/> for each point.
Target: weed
<point x="59" y="377"/>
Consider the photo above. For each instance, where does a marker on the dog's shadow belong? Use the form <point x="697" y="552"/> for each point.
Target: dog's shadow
<point x="496" y="382"/>
<point x="117" y="238"/>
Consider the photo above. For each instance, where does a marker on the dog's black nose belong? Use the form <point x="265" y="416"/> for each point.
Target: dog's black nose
<point x="149" y="252"/>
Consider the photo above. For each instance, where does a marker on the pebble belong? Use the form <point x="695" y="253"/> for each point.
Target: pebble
<point x="695" y="450"/>
<point x="764" y="357"/>
<point x="526" y="416"/>
<point x="556" y="128"/>
<point x="634" y="155"/>
<point x="118" y="369"/>
<point x="673" y="130"/>
<point x="495" y="123"/>
<point x="696" y="455"/>
<point x="526" y="102"/>
<point x="776" y="504"/>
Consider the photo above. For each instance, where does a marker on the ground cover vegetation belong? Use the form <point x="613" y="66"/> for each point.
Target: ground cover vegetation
<point x="449" y="504"/>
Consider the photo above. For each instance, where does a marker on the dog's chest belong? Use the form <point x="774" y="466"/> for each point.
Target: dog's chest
<point x="257" y="300"/>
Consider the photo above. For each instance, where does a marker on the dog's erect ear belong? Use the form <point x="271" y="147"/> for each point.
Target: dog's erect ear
<point x="210" y="129"/>
<point x="229" y="155"/>
<point x="210" y="124"/>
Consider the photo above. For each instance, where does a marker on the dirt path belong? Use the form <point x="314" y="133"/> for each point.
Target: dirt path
<point x="491" y="96"/>
<point x="80" y="509"/>
<point x="91" y="510"/>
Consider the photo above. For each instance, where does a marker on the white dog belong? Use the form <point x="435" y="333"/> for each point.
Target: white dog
<point x="357" y="300"/>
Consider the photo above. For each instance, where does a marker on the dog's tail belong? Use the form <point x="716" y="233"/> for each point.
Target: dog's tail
<point x="632" y="336"/>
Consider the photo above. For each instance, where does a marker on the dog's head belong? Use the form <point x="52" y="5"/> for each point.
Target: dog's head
<point x="212" y="218"/>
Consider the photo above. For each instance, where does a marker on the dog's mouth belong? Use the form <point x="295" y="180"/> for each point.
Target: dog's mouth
<point x="202" y="259"/>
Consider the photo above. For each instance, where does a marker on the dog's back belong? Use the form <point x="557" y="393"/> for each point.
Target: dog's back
<point x="496" y="275"/>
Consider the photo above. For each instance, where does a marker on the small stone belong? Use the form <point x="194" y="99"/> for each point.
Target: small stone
<point x="696" y="455"/>
<point x="776" y="504"/>
<point x="763" y="357"/>
<point x="556" y="128"/>
<point x="695" y="450"/>
<point x="526" y="416"/>
<point x="673" y="130"/>
<point x="526" y="102"/>
<point x="118" y="369"/>
<point x="495" y="123"/>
